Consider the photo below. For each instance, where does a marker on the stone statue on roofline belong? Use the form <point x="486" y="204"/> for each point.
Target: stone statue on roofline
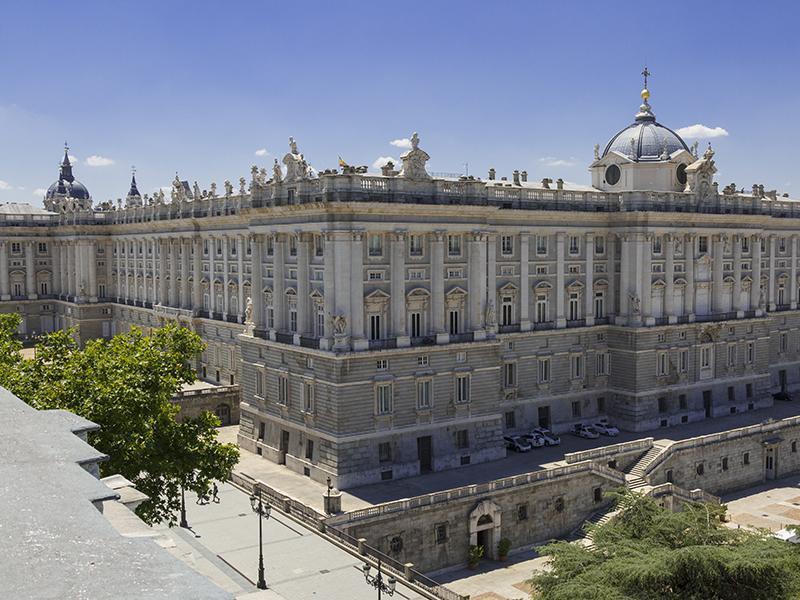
<point x="414" y="161"/>
<point x="228" y="188"/>
<point x="296" y="165"/>
<point x="277" y="175"/>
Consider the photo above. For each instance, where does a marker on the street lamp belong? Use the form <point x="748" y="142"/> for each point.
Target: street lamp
<point x="183" y="522"/>
<point x="262" y="510"/>
<point x="377" y="581"/>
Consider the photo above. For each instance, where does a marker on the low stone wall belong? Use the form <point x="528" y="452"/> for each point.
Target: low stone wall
<point x="222" y="401"/>
<point x="617" y="456"/>
<point x="731" y="460"/>
<point x="435" y="531"/>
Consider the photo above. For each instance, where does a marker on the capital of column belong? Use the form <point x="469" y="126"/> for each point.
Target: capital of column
<point x="399" y="235"/>
<point x="439" y="234"/>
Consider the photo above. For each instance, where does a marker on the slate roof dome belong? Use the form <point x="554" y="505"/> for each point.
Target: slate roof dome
<point x="652" y="141"/>
<point x="67" y="185"/>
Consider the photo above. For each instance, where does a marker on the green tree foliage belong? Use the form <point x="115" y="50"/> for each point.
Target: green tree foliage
<point x="649" y="553"/>
<point x="125" y="385"/>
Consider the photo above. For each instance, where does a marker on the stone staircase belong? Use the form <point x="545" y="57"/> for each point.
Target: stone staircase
<point x="634" y="480"/>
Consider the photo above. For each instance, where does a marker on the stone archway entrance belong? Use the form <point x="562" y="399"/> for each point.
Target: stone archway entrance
<point x="484" y="527"/>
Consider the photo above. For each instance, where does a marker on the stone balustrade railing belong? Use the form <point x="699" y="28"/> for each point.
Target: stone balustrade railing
<point x="642" y="445"/>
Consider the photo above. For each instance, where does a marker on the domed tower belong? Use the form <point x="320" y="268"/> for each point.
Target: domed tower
<point x="67" y="193"/>
<point x="645" y="156"/>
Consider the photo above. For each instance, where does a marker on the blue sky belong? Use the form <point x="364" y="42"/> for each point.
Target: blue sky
<point x="199" y="87"/>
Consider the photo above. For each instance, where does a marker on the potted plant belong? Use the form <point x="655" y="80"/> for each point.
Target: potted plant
<point x="503" y="546"/>
<point x="475" y="556"/>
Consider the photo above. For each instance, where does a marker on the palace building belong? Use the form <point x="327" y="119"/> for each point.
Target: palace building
<point x="384" y="325"/>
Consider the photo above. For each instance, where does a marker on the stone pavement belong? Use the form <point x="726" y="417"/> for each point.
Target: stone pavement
<point x="222" y="543"/>
<point x="772" y="505"/>
<point x="495" y="580"/>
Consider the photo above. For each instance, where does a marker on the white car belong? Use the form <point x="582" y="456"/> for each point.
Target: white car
<point x="606" y="429"/>
<point x="517" y="443"/>
<point x="550" y="438"/>
<point x="535" y="440"/>
<point x="585" y="431"/>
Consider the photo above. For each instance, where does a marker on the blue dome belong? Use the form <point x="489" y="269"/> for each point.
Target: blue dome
<point x="72" y="189"/>
<point x="650" y="138"/>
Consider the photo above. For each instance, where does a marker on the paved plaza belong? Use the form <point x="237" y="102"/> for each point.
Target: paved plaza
<point x="772" y="506"/>
<point x="222" y="543"/>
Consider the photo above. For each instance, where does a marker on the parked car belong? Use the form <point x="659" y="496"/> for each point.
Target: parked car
<point x="550" y="438"/>
<point x="534" y="439"/>
<point x="606" y="428"/>
<point x="585" y="431"/>
<point x="517" y="443"/>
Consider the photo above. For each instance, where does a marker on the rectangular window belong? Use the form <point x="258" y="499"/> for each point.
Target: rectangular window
<point x="375" y="244"/>
<point x="656" y="245"/>
<point x="422" y="360"/>
<point x="662" y="364"/>
<point x="662" y="405"/>
<point x="682" y="403"/>
<point x="731" y="355"/>
<point x="702" y="244"/>
<point x="576" y="366"/>
<point x="308" y="397"/>
<point x="731" y="393"/>
<point x="745" y="244"/>
<point x="462" y="439"/>
<point x="574" y="307"/>
<point x="382" y="364"/>
<point x="511" y="419"/>
<point x="42" y="247"/>
<point x="541" y="308"/>
<point x="599" y="245"/>
<point x="601" y="364"/>
<point x="507" y="245"/>
<point x="510" y="374"/>
<point x="259" y="384"/>
<point x="705" y="357"/>
<point x="385" y="452"/>
<point x="461" y="357"/>
<point x="424" y="394"/>
<point x="309" y="449"/>
<point x="416" y="324"/>
<point x="683" y="360"/>
<point x="440" y="533"/>
<point x="283" y="390"/>
<point x="293" y="319"/>
<point x="375" y="332"/>
<point x="462" y="389"/>
<point x="544" y="370"/>
<point x="783" y="342"/>
<point x="576" y="409"/>
<point x="454" y="245"/>
<point x="453" y="318"/>
<point x="750" y="353"/>
<point x="383" y="398"/>
<point x="599" y="305"/>
<point x="415" y="245"/>
<point x="574" y="244"/>
<point x="746" y="458"/>
<point x="541" y="245"/>
<point x="507" y="315"/>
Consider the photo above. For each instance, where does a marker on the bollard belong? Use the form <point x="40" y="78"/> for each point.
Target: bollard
<point x="408" y="572"/>
<point x="362" y="546"/>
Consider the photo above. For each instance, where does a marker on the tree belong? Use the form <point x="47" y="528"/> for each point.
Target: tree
<point x="648" y="553"/>
<point x="125" y="385"/>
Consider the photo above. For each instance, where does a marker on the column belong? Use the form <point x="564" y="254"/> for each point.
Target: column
<point x="561" y="320"/>
<point x="55" y="259"/>
<point x="328" y="288"/>
<point x="303" y="287"/>
<point x="173" y="272"/>
<point x="71" y="270"/>
<point x="65" y="277"/>
<point x="437" y="288"/>
<point x="257" y="284"/>
<point x="646" y="277"/>
<point x="108" y="251"/>
<point x="398" y="289"/>
<point x="771" y="282"/>
<point x="186" y="300"/>
<point x="118" y="264"/>
<point x="624" y="280"/>
<point x="589" y="290"/>
<point x="357" y="292"/>
<point x="491" y="281"/>
<point x="756" y="293"/>
<point x="5" y="288"/>
<point x="737" y="276"/>
<point x="669" y="281"/>
<point x="279" y="281"/>
<point x="524" y="282"/>
<point x="688" y="246"/>
<point x="793" y="280"/>
<point x="197" y="275"/>
<point x="91" y="258"/>
<point x="716" y="284"/>
<point x="226" y="301"/>
<point x="30" y="271"/>
<point x="163" y="249"/>
<point x="240" y="250"/>
<point x="611" y="249"/>
<point x="212" y="297"/>
<point x="476" y="283"/>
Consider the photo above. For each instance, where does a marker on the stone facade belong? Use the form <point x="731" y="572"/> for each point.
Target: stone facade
<point x="222" y="401"/>
<point x="386" y="325"/>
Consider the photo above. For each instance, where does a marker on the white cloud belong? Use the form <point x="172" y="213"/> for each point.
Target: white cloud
<point x="95" y="160"/>
<point x="39" y="192"/>
<point x="262" y="152"/>
<point x="72" y="159"/>
<point x="552" y="161"/>
<point x="701" y="132"/>
<point x="401" y="143"/>
<point x="4" y="185"/>
<point x="382" y="160"/>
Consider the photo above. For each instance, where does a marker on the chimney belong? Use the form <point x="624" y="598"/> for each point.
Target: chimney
<point x="524" y="176"/>
<point x="546" y="183"/>
<point x="560" y="183"/>
<point x="516" y="177"/>
<point x="492" y="174"/>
